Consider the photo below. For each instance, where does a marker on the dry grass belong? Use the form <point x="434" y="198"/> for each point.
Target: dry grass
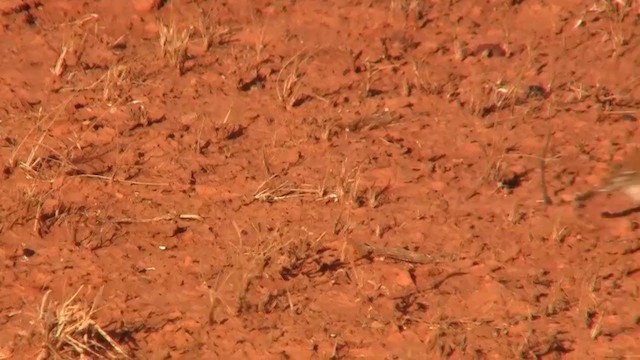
<point x="115" y="80"/>
<point x="263" y="259"/>
<point x="347" y="187"/>
<point x="616" y="10"/>
<point x="211" y="34"/>
<point x="494" y="97"/>
<point x="504" y="95"/>
<point x="289" y="80"/>
<point x="173" y="45"/>
<point x="263" y="252"/>
<point x="372" y="69"/>
<point x="460" y="50"/>
<point x="60" y="65"/>
<point x="71" y="331"/>
<point x="34" y="163"/>
<point x="272" y="191"/>
<point x="250" y="260"/>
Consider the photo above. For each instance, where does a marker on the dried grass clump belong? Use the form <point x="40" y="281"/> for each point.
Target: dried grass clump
<point x="71" y="332"/>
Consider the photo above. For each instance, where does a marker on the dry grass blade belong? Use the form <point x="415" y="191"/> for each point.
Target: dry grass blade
<point x="173" y="45"/>
<point x="127" y="182"/>
<point x="114" y="79"/>
<point x="288" y="85"/>
<point x="71" y="331"/>
<point x="543" y="184"/>
<point x="270" y="192"/>
<point x="61" y="64"/>
<point x="211" y="33"/>
<point x="491" y="173"/>
<point x="250" y="260"/>
<point x="42" y="127"/>
<point x="505" y="95"/>
<point x="167" y="217"/>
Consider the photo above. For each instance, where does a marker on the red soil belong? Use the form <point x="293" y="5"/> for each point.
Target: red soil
<point x="298" y="135"/>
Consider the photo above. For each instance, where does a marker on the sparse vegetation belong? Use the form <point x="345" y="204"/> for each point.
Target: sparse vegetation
<point x="394" y="180"/>
<point x="174" y="44"/>
<point x="289" y="79"/>
<point x="71" y="331"/>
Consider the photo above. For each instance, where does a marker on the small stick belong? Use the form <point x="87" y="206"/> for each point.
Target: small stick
<point x="620" y="112"/>
<point x="265" y="163"/>
<point x="543" y="185"/>
<point x="128" y="182"/>
<point x="159" y="218"/>
<point x="191" y="217"/>
<point x="132" y="221"/>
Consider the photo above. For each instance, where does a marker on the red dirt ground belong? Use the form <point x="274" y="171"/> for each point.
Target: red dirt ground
<point x="224" y="195"/>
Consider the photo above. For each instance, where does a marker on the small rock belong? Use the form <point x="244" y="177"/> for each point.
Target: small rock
<point x="27" y="253"/>
<point x="490" y="50"/>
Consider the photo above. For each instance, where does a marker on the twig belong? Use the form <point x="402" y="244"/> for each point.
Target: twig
<point x="155" y="219"/>
<point x="60" y="64"/>
<point x="159" y="218"/>
<point x="129" y="182"/>
<point x="543" y="185"/>
<point x="190" y="217"/>
<point x="620" y="112"/>
<point x="58" y="110"/>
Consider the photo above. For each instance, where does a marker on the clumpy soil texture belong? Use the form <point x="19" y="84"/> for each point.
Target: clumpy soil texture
<point x="317" y="179"/>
